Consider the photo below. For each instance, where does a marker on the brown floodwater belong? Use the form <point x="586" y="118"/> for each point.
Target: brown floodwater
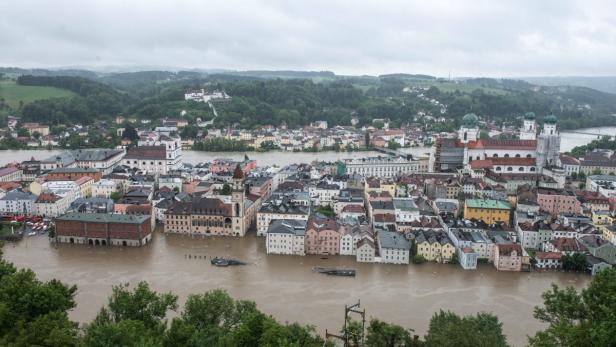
<point x="286" y="287"/>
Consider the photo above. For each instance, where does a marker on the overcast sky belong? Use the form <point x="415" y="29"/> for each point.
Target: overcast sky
<point x="467" y="38"/>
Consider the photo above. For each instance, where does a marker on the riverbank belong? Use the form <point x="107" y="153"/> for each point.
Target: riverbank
<point x="286" y="286"/>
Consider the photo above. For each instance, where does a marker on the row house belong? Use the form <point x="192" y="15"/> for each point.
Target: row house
<point x="508" y="257"/>
<point x="434" y="246"/>
<point x="286" y="236"/>
<point x="322" y="236"/>
<point x="282" y="206"/>
<point x="394" y="248"/>
<point x="18" y="202"/>
<point x="324" y="194"/>
<point x="558" y="201"/>
<point x="351" y="235"/>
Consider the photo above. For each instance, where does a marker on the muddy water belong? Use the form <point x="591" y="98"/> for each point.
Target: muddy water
<point x="285" y="286"/>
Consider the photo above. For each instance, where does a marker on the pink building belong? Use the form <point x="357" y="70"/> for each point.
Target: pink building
<point x="557" y="201"/>
<point x="508" y="257"/>
<point x="322" y="236"/>
<point x="228" y="165"/>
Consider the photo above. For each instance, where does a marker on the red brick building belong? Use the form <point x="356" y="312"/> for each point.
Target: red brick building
<point x="73" y="174"/>
<point x="104" y="229"/>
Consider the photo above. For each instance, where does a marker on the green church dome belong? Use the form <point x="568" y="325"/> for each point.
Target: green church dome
<point x="529" y="116"/>
<point x="470" y="120"/>
<point x="551" y="119"/>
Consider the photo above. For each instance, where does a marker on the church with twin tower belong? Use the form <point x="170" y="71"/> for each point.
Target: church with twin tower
<point x="531" y="153"/>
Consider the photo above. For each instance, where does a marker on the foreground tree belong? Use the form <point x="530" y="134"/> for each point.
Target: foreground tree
<point x="32" y="312"/>
<point x="131" y="318"/>
<point x="382" y="334"/>
<point x="450" y="330"/>
<point x="579" y="319"/>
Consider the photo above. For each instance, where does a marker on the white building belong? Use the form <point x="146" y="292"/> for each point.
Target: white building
<point x="365" y="251"/>
<point x="104" y="188"/>
<point x="156" y="153"/>
<point x="350" y="235"/>
<point x="294" y="206"/>
<point x="394" y="248"/>
<point x="387" y="166"/>
<point x="173" y="182"/>
<point x="18" y="202"/>
<point x="286" y="236"/>
<point x="324" y="194"/>
<point x="70" y="189"/>
<point x="103" y="160"/>
<point x="604" y="184"/>
<point x="51" y="205"/>
<point x="467" y="258"/>
<point x="406" y="210"/>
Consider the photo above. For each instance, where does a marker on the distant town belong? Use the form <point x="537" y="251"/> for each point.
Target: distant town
<point x="516" y="202"/>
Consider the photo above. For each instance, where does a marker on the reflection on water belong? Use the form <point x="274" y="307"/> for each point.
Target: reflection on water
<point x="286" y="287"/>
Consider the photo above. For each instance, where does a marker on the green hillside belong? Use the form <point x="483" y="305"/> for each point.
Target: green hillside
<point x="13" y="93"/>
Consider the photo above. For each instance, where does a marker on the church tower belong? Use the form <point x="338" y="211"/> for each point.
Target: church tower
<point x="469" y="131"/>
<point x="237" y="200"/>
<point x="529" y="129"/>
<point x="548" y="144"/>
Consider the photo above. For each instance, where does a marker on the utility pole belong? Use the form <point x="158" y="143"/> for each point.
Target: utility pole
<point x="345" y="334"/>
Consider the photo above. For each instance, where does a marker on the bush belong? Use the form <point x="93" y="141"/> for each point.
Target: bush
<point x="418" y="259"/>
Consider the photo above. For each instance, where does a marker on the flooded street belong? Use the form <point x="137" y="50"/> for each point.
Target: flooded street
<point x="286" y="287"/>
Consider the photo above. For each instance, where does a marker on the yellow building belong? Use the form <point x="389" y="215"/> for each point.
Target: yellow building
<point x="389" y="186"/>
<point x="434" y="246"/>
<point x="488" y="211"/>
<point x="602" y="218"/>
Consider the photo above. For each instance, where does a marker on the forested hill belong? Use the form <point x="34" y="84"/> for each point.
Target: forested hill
<point x="95" y="100"/>
<point x="297" y="98"/>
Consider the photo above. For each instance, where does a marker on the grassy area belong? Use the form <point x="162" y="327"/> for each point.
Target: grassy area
<point x="462" y="87"/>
<point x="13" y="93"/>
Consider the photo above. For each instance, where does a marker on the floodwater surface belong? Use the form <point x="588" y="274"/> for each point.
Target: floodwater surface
<point x="286" y="287"/>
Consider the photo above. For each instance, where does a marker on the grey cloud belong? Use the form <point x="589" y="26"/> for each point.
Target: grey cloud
<point x="479" y="38"/>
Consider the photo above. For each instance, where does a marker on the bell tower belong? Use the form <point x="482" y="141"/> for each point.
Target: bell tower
<point x="237" y="200"/>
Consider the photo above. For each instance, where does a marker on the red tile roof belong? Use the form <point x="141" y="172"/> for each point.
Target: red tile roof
<point x="147" y="152"/>
<point x="503" y="144"/>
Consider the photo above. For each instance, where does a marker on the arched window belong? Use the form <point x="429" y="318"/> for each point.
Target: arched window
<point x="495" y="155"/>
<point x="528" y="156"/>
<point x="478" y="157"/>
<point x="465" y="136"/>
<point x="507" y="155"/>
<point x="498" y="168"/>
<point x="509" y="168"/>
<point x="532" y="169"/>
<point x="521" y="169"/>
<point x="517" y="155"/>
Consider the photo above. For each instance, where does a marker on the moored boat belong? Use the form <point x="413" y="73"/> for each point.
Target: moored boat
<point x="334" y="271"/>
<point x="226" y="262"/>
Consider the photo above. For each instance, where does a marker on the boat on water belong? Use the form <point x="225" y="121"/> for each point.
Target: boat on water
<point x="226" y="262"/>
<point x="332" y="271"/>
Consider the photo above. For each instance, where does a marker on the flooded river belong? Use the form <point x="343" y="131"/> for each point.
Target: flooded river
<point x="285" y="286"/>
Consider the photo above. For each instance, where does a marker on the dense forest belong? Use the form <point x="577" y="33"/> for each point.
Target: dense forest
<point x="298" y="98"/>
<point x="35" y="313"/>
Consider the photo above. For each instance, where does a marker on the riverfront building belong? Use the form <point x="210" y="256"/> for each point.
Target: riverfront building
<point x="222" y="215"/>
<point x="286" y="236"/>
<point x="104" y="229"/>
<point x="394" y="248"/>
<point x="530" y="153"/>
<point x="388" y="166"/>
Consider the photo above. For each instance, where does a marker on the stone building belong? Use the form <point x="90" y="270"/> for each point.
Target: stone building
<point x="221" y="215"/>
<point x="104" y="229"/>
